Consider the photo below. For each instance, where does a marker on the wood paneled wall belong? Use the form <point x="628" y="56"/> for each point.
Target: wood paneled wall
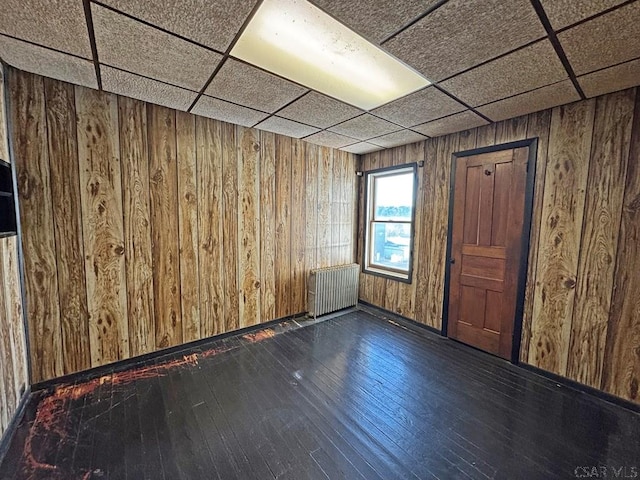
<point x="582" y="308"/>
<point x="145" y="228"/>
<point x="13" y="358"/>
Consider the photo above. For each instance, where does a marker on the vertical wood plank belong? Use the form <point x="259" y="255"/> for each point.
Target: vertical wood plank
<point x="599" y="245"/>
<point x="325" y="179"/>
<point x="486" y="135"/>
<point x="283" y="226"/>
<point x="621" y="372"/>
<point x="416" y="153"/>
<point x="440" y="222"/>
<point x="511" y="130"/>
<point x="351" y="204"/>
<point x="209" y="158"/>
<point x="14" y="312"/>
<point x="426" y="226"/>
<point x="4" y="138"/>
<point x="249" y="225"/>
<point x="267" y="225"/>
<point x="311" y="205"/>
<point x="230" y="219"/>
<point x="538" y="125"/>
<point x="36" y="217"/>
<point x="188" y="225"/>
<point x="163" y="189"/>
<point x="560" y="232"/>
<point x="334" y="213"/>
<point x="132" y="115"/>
<point x="364" y="280"/>
<point x="7" y="380"/>
<point x="298" y="227"/>
<point x="65" y="198"/>
<point x="101" y="196"/>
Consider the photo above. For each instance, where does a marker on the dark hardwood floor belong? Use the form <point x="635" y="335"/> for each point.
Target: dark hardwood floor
<point x="352" y="397"/>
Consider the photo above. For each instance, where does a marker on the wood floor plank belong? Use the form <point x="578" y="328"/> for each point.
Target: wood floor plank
<point x="356" y="396"/>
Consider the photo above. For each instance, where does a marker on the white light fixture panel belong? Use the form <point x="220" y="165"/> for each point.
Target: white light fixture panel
<point x="298" y="41"/>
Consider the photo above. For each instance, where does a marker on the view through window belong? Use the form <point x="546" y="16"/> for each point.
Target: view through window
<point x="390" y="203"/>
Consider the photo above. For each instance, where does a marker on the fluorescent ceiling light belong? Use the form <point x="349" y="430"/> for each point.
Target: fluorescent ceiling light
<point x="298" y="41"/>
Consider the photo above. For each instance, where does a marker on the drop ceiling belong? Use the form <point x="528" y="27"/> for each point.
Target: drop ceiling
<point x="488" y="60"/>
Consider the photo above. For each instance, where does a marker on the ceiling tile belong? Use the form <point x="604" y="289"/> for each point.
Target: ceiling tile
<point x="361" y="148"/>
<point x="611" y="79"/>
<point x="364" y="127"/>
<point x="403" y="137"/>
<point x="454" y="123"/>
<point x="374" y="19"/>
<point x="144" y="50"/>
<point x="227" y="112"/>
<point x="56" y="24"/>
<point x="562" y="13"/>
<point x="49" y="63"/>
<point x="246" y="85"/>
<point x="286" y="127"/>
<point x="329" y="139"/>
<point x="319" y="110"/>
<point x="532" y="67"/>
<point x="419" y="107"/>
<point x="196" y="19"/>
<point x="540" y="99"/>
<point x="604" y="41"/>
<point x="464" y="33"/>
<point x="134" y="86"/>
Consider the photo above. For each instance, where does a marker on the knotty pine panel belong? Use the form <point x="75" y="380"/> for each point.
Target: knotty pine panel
<point x="102" y="223"/>
<point x="282" y="257"/>
<point x="599" y="242"/>
<point x="13" y="344"/>
<point x="560" y="233"/>
<point x="31" y="157"/>
<point x="163" y="189"/>
<point x="538" y="126"/>
<point x="187" y="227"/>
<point x="66" y="204"/>
<point x="621" y="365"/>
<point x="134" y="154"/>
<point x="13" y="372"/>
<point x="581" y="314"/>
<point x="211" y="273"/>
<point x="248" y="174"/>
<point x="230" y="227"/>
<point x="298" y="229"/>
<point x="268" y="224"/>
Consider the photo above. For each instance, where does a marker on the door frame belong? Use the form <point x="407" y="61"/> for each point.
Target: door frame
<point x="532" y="143"/>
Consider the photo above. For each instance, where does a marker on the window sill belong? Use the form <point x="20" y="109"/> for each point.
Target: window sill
<point x="390" y="276"/>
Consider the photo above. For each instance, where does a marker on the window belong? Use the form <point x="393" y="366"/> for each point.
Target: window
<point x="389" y="230"/>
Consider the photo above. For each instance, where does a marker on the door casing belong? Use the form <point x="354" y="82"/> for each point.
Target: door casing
<point x="532" y="143"/>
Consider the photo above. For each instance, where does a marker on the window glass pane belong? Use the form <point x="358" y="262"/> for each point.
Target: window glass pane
<point x="394" y="197"/>
<point x="390" y="245"/>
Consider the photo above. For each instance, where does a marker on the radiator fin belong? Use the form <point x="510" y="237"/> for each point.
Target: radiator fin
<point x="332" y="288"/>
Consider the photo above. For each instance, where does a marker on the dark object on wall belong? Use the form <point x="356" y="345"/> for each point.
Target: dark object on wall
<point x="7" y="208"/>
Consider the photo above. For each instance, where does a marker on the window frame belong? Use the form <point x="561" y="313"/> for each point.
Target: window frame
<point x="369" y="267"/>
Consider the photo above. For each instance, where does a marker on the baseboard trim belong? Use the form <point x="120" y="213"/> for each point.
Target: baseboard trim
<point x="407" y="322"/>
<point x="7" y="436"/>
<point x="139" y="360"/>
<point x="582" y="388"/>
<point x="564" y="381"/>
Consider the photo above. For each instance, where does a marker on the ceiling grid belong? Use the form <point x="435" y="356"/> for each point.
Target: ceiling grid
<point x="489" y="60"/>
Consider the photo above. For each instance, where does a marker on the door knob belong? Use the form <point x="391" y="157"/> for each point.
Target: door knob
<point x="452" y="261"/>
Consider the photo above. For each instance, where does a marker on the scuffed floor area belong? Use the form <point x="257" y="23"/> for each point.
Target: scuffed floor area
<point x="356" y="396"/>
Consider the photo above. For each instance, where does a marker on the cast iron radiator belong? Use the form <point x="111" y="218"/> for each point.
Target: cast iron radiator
<point x="332" y="288"/>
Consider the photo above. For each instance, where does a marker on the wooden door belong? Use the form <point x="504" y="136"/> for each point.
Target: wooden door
<point x="486" y="248"/>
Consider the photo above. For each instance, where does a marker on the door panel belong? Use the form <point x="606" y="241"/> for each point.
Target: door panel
<point x="488" y="219"/>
